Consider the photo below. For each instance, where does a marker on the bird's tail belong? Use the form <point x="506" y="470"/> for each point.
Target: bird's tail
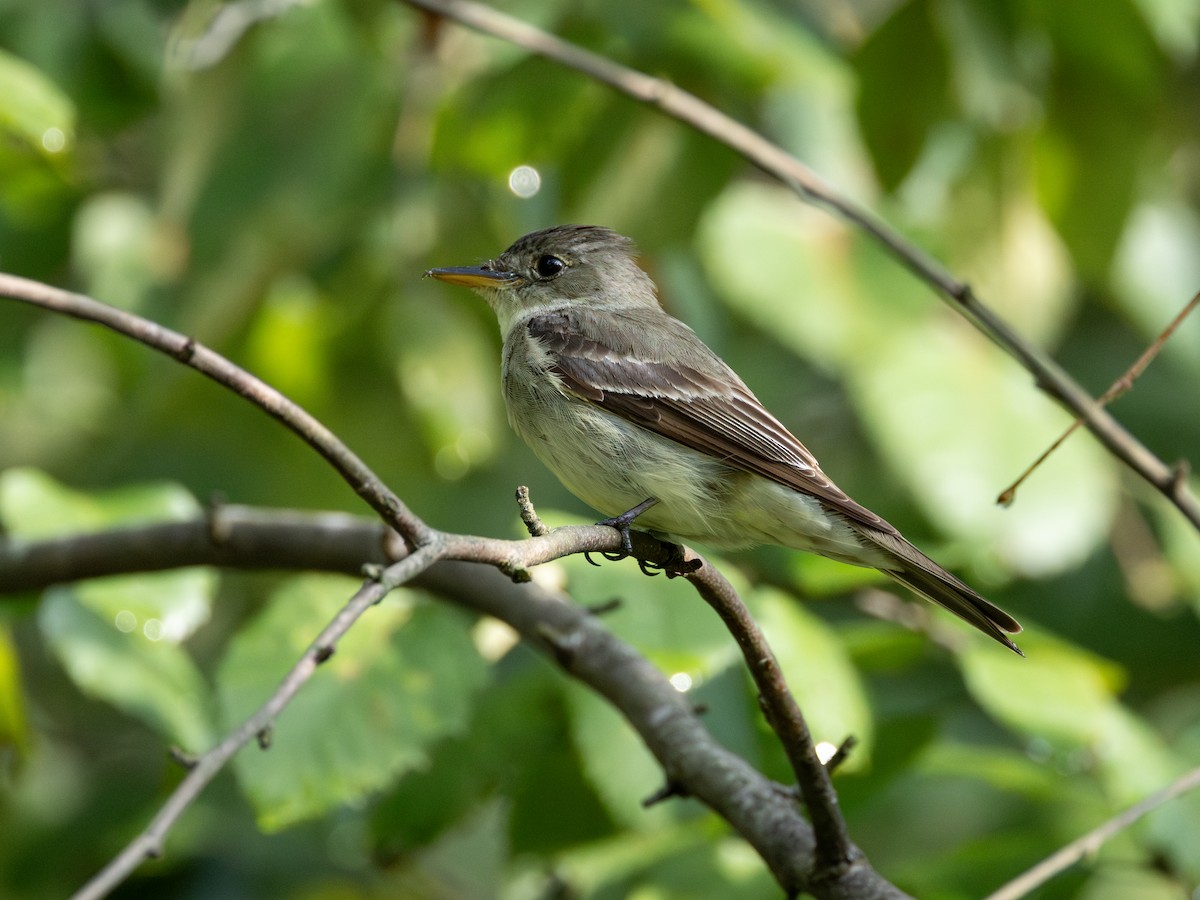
<point x="917" y="571"/>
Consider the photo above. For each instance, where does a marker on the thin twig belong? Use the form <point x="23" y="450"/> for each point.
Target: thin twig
<point x="149" y="844"/>
<point x="1115" y="390"/>
<point x="533" y="523"/>
<point x="772" y="159"/>
<point x="191" y="353"/>
<point x="269" y="538"/>
<point x="841" y="865"/>
<point x="1092" y="841"/>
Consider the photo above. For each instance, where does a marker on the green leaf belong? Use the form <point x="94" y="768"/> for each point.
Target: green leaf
<point x="119" y="638"/>
<point x="134" y="669"/>
<point x="34" y="108"/>
<point x="664" y="619"/>
<point x="954" y="419"/>
<point x="799" y="288"/>
<point x="819" y="672"/>
<point x="1057" y="692"/>
<point x="401" y="679"/>
<point x="440" y="353"/>
<point x="615" y="760"/>
<point x="33" y="505"/>
<point x="903" y="73"/>
<point x="121" y="249"/>
<point x="14" y="727"/>
<point x="1065" y="700"/>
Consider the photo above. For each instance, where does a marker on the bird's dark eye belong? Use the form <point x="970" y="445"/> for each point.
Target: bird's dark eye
<point x="549" y="266"/>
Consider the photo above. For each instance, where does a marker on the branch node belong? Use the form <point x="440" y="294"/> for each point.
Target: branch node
<point x="602" y="609"/>
<point x="372" y="572"/>
<point x="666" y="792"/>
<point x="186" y="351"/>
<point x="182" y="758"/>
<point x="516" y="571"/>
<point x="564" y="644"/>
<point x="1179" y="476"/>
<point x="533" y="523"/>
<point x="842" y="753"/>
<point x="218" y="528"/>
<point x="323" y="653"/>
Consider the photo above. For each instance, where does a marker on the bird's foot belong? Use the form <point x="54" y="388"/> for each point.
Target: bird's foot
<point x="675" y="565"/>
<point x="622" y="523"/>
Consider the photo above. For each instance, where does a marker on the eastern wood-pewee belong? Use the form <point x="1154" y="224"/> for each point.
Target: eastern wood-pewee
<point x="625" y="403"/>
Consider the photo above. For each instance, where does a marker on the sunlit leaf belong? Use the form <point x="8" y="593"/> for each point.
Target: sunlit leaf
<point x="1066" y="698"/>
<point x="785" y="268"/>
<point x="122" y="249"/>
<point x="820" y="674"/>
<point x="14" y="728"/>
<point x="34" y="109"/>
<point x="288" y="342"/>
<point x="131" y="668"/>
<point x="956" y="422"/>
<point x="33" y="505"/>
<point x="402" y="678"/>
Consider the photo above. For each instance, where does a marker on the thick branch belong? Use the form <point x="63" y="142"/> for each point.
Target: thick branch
<point x="780" y="164"/>
<point x="835" y="853"/>
<point x="245" y="537"/>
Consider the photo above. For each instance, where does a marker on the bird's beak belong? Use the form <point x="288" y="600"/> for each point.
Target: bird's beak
<point x="474" y="276"/>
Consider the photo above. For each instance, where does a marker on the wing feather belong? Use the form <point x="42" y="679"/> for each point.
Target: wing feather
<point x="708" y="409"/>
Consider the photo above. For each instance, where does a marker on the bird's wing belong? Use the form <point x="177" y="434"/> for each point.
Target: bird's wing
<point x="704" y="406"/>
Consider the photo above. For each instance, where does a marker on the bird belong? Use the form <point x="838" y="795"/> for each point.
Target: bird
<point x="639" y="418"/>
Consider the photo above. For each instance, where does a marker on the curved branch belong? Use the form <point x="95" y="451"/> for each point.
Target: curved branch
<point x="512" y="558"/>
<point x="834" y="850"/>
<point x="775" y="161"/>
<point x="247" y="537"/>
<point x="190" y="353"/>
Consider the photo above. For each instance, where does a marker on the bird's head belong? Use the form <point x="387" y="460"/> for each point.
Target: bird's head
<point x="568" y="265"/>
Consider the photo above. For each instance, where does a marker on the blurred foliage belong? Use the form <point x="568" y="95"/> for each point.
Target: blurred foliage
<point x="273" y="177"/>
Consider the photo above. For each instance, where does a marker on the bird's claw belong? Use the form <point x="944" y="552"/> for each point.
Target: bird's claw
<point x="622" y="523"/>
<point x="613" y="556"/>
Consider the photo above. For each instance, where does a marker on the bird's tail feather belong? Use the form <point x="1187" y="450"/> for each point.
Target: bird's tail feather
<point x="918" y="572"/>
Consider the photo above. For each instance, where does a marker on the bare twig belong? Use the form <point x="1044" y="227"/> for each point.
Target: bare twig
<point x="149" y="844"/>
<point x="429" y="546"/>
<point x="775" y="161"/>
<point x="187" y="351"/>
<point x="1092" y="841"/>
<point x="1115" y="390"/>
<point x="533" y="523"/>
<point x="571" y="635"/>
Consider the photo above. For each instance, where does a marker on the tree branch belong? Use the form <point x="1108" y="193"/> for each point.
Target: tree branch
<point x="510" y="557"/>
<point x="775" y="161"/>
<point x="191" y="353"/>
<point x="247" y="537"/>
<point x="1116" y="389"/>
<point x="834" y="850"/>
<point x="1091" y="842"/>
<point x="149" y="844"/>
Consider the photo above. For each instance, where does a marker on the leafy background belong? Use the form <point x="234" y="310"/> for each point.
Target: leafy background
<point x="273" y="178"/>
